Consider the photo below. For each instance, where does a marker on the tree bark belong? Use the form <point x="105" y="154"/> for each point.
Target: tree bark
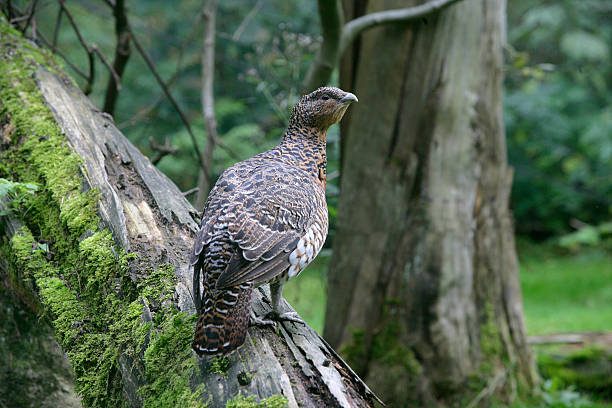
<point x="153" y="227"/>
<point x="423" y="293"/>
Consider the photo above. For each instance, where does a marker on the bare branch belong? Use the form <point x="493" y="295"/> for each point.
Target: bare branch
<point x="115" y="75"/>
<point x="161" y="83"/>
<point x="246" y="20"/>
<point x="332" y="20"/>
<point x="90" y="54"/>
<point x="208" y="100"/>
<point x="122" y="55"/>
<point x="59" y="53"/>
<point x="190" y="191"/>
<point x="162" y="150"/>
<point x="337" y="39"/>
<point x="58" y="23"/>
<point x="32" y="9"/>
<point x="355" y="27"/>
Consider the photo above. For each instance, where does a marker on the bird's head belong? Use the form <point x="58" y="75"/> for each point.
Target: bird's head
<point x="321" y="108"/>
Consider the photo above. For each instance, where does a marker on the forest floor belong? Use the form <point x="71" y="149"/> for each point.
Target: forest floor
<point x="562" y="293"/>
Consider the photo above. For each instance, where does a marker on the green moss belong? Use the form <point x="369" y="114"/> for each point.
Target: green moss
<point x="393" y="369"/>
<point x="241" y="401"/>
<point x="220" y="365"/>
<point x="386" y="347"/>
<point x="490" y="342"/>
<point x="74" y="266"/>
<point x="587" y="369"/>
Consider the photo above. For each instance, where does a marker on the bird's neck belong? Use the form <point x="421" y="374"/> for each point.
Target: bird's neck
<point x="305" y="148"/>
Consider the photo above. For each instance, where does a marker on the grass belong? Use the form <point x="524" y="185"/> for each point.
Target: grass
<point x="567" y="293"/>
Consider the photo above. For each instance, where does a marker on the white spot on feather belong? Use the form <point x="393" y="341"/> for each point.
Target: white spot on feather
<point x="300" y="245"/>
<point x="293" y="258"/>
<point x="309" y="252"/>
<point x="294" y="270"/>
<point x="303" y="262"/>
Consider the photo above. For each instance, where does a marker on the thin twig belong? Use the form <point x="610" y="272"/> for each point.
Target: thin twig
<point x="74" y="26"/>
<point x="162" y="150"/>
<point x="30" y="15"/>
<point x="59" y="53"/>
<point x="9" y="10"/>
<point x="58" y="23"/>
<point x="190" y="191"/>
<point x="90" y="54"/>
<point x="246" y="20"/>
<point x="108" y="66"/>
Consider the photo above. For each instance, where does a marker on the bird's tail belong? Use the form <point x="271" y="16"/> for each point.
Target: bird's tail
<point x="223" y="321"/>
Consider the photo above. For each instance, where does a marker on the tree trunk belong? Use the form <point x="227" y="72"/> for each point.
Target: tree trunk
<point x="423" y="294"/>
<point x="104" y="246"/>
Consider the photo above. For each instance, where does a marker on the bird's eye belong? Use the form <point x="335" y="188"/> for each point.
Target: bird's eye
<point x="325" y="97"/>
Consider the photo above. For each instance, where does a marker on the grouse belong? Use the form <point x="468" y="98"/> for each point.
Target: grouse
<point x="264" y="221"/>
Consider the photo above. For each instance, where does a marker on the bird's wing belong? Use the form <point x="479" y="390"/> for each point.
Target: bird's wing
<point x="272" y="209"/>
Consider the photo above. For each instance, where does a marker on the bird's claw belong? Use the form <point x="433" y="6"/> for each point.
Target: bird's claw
<point x="287" y="316"/>
<point x="256" y="321"/>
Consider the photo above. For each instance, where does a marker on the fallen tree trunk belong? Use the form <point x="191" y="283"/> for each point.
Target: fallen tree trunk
<point x="104" y="246"/>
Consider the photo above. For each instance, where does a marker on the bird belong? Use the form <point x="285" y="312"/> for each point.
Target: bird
<point x="263" y="222"/>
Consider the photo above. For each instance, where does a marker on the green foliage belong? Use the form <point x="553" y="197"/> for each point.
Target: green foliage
<point x="588" y="236"/>
<point x="16" y="194"/>
<point x="586" y="369"/>
<point x="559" y="114"/>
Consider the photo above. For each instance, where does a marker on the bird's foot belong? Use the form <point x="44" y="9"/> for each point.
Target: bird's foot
<point x="256" y="321"/>
<point x="287" y="316"/>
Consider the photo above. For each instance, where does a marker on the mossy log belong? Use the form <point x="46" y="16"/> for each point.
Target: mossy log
<point x="104" y="247"/>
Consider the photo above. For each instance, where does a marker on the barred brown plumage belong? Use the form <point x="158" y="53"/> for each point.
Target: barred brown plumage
<point x="264" y="221"/>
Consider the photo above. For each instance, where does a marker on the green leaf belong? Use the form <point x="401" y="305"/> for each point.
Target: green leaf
<point x="581" y="45"/>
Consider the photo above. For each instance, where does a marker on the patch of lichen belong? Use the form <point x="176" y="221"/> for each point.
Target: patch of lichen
<point x="76" y="268"/>
<point x="242" y="401"/>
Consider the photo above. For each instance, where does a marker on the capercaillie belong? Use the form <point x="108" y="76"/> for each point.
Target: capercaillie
<point x="264" y="221"/>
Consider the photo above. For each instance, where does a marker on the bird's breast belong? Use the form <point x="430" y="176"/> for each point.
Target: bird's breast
<point x="308" y="247"/>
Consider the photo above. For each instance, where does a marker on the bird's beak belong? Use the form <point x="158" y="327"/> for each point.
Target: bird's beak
<point x="348" y="98"/>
